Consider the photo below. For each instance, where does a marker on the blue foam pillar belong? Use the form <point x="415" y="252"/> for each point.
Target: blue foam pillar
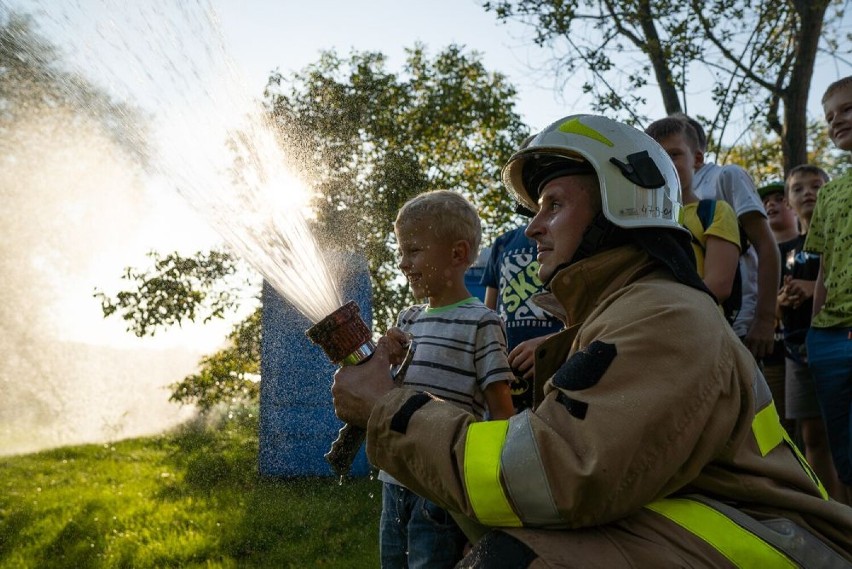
<point x="474" y="274"/>
<point x="297" y="421"/>
<point x="471" y="280"/>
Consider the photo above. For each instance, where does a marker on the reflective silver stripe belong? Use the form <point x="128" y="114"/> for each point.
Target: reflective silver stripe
<point x="762" y="394"/>
<point x="524" y="477"/>
<point x="791" y="539"/>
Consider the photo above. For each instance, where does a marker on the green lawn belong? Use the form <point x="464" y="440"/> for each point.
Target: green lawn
<point x="191" y="498"/>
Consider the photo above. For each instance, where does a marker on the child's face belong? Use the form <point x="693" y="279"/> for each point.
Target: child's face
<point x="802" y="190"/>
<point x="683" y="157"/>
<point x="838" y="115"/>
<point x="424" y="259"/>
<point x="779" y="215"/>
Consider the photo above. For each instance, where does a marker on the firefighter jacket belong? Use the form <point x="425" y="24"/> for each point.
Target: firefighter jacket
<point x="655" y="442"/>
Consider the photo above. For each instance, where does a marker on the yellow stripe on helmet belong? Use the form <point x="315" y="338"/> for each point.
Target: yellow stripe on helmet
<point x="574" y="126"/>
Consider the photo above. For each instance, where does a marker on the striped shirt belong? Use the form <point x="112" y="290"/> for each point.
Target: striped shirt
<point x="461" y="349"/>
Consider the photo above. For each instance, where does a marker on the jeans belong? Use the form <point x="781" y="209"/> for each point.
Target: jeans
<point x="415" y="533"/>
<point x="830" y="362"/>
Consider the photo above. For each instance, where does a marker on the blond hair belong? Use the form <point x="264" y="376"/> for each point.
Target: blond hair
<point x="449" y="215"/>
<point x="835" y="87"/>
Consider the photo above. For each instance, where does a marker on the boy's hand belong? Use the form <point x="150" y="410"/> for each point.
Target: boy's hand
<point x="798" y="291"/>
<point x="760" y="338"/>
<point x="522" y="357"/>
<point x="356" y="388"/>
<point x="784" y="294"/>
<point x="396" y="342"/>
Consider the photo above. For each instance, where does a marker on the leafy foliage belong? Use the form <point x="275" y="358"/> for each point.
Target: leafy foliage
<point x="32" y="82"/>
<point x="368" y="139"/>
<point x="617" y="44"/>
<point x="174" y="289"/>
<point x="229" y="376"/>
<point x="760" y="154"/>
<point x="761" y="55"/>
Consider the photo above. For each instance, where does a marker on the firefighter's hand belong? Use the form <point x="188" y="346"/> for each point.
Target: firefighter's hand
<point x="356" y="388"/>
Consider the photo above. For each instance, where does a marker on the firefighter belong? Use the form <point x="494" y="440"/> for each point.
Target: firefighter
<point x="654" y="440"/>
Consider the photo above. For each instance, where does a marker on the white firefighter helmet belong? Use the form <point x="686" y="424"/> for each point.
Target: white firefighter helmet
<point x="638" y="182"/>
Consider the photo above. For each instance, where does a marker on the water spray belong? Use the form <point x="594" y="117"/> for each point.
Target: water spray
<point x="213" y="141"/>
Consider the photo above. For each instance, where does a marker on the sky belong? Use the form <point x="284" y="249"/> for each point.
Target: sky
<point x="261" y="36"/>
<point x="264" y="36"/>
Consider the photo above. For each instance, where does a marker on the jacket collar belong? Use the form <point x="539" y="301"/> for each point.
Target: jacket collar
<point x="576" y="290"/>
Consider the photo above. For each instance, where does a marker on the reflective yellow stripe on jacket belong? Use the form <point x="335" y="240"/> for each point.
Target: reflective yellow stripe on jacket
<point x="482" y="451"/>
<point x="769" y="433"/>
<point x="738" y="545"/>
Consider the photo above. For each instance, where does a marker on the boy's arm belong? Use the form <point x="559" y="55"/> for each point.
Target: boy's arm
<point x="819" y="289"/>
<point x="761" y="333"/>
<point x="499" y="400"/>
<point x="720" y="266"/>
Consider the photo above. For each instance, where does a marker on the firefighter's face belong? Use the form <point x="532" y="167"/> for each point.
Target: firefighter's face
<point x="567" y="206"/>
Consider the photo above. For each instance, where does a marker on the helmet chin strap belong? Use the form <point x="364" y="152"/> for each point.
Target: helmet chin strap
<point x="671" y="249"/>
<point x="601" y="234"/>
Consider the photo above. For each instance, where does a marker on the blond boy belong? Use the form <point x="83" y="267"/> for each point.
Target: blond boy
<point x="460" y="357"/>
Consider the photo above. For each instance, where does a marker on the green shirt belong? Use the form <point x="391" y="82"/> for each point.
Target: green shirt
<point x="830" y="234"/>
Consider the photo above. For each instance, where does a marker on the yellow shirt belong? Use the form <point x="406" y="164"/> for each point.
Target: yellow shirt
<point x="723" y="225"/>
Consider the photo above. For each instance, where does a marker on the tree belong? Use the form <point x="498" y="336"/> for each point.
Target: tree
<point x="369" y="139"/>
<point x="33" y="83"/>
<point x="230" y="375"/>
<point x="761" y="55"/>
<point x="366" y="139"/>
<point x="176" y="288"/>
<point x="760" y="154"/>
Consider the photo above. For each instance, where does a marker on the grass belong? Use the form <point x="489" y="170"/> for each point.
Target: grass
<point x="191" y="498"/>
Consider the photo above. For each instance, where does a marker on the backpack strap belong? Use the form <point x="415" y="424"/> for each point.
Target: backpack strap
<point x="706" y="212"/>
